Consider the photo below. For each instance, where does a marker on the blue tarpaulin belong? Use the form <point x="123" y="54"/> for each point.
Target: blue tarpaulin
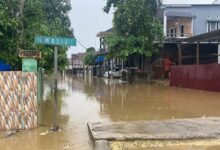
<point x="4" y="66"/>
<point x="100" y="59"/>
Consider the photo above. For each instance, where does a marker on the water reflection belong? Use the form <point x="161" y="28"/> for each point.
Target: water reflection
<point x="147" y="102"/>
<point x="85" y="99"/>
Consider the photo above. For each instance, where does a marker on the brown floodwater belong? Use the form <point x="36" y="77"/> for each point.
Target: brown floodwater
<point x="86" y="99"/>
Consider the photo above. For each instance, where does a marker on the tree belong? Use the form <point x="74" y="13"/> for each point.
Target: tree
<point x="136" y="27"/>
<point x="22" y="20"/>
<point x="8" y="30"/>
<point x="89" y="58"/>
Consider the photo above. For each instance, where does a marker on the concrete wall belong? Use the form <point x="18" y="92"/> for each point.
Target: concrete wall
<point x="18" y="100"/>
<point x="200" y="14"/>
<point x="203" y="14"/>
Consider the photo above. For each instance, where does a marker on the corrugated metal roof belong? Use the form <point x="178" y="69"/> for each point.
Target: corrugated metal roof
<point x="213" y="36"/>
<point x="104" y="33"/>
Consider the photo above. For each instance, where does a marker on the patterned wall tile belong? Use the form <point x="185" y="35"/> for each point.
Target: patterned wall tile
<point x="18" y="100"/>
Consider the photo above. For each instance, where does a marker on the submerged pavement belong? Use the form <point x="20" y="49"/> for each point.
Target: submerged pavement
<point x="83" y="99"/>
<point x="175" y="129"/>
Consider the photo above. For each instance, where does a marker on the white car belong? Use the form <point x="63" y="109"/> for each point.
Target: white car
<point x="116" y="73"/>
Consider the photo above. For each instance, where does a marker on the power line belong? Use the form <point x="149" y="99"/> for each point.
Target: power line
<point x="81" y="43"/>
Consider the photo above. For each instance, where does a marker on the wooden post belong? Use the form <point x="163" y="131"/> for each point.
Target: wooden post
<point x="197" y="54"/>
<point x="179" y="54"/>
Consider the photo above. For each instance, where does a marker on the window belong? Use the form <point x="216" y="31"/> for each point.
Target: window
<point x="175" y="32"/>
<point x="181" y="30"/>
<point x="213" y="25"/>
<point x="171" y="32"/>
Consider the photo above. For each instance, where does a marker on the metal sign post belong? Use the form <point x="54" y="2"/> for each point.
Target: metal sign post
<point x="61" y="41"/>
<point x="55" y="89"/>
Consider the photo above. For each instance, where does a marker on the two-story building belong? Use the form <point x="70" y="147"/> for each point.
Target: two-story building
<point x="190" y="19"/>
<point x="186" y="20"/>
<point x="104" y="63"/>
<point x="182" y="20"/>
<point x="76" y="62"/>
<point x="192" y="40"/>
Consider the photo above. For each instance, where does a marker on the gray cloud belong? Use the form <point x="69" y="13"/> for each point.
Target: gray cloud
<point x="88" y="18"/>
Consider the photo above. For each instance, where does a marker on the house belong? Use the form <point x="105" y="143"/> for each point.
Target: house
<point x="181" y="20"/>
<point x="102" y="63"/>
<point x="102" y="36"/>
<point x="185" y="19"/>
<point x="77" y="62"/>
<point x="192" y="39"/>
<point x="202" y="75"/>
<point x="190" y="19"/>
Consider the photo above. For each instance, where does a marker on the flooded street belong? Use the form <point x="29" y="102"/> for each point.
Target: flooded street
<point x="83" y="99"/>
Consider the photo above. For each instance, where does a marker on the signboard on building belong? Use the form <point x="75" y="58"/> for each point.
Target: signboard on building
<point x="29" y="54"/>
<point x="29" y="65"/>
<point x="48" y="40"/>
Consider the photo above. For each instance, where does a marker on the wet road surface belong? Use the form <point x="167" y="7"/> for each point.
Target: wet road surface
<point x="83" y="99"/>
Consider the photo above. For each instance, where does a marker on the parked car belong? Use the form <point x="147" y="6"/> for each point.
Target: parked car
<point x="116" y="73"/>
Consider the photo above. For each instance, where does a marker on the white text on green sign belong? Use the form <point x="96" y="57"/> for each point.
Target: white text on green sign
<point x="47" y="40"/>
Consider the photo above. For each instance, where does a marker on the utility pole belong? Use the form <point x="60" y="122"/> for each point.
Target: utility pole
<point x="55" y="89"/>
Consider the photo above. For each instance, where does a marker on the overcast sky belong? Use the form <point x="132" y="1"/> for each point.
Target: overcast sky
<point x="88" y="19"/>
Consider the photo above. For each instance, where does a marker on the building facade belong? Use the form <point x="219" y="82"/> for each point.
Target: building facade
<point x="180" y="21"/>
<point x="184" y="20"/>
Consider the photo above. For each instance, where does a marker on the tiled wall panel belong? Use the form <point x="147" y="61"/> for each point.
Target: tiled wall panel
<point x="18" y="100"/>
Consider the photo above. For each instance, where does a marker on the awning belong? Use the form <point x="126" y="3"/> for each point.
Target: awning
<point x="4" y="66"/>
<point x="173" y="13"/>
<point x="100" y="59"/>
<point x="213" y="36"/>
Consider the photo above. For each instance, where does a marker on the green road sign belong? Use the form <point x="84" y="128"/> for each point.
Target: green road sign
<point x="29" y="65"/>
<point x="48" y="40"/>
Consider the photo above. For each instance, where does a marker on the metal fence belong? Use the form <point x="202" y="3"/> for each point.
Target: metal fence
<point x="202" y="77"/>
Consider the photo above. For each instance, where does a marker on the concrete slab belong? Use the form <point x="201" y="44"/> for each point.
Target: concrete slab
<point x="178" y="129"/>
<point x="102" y="145"/>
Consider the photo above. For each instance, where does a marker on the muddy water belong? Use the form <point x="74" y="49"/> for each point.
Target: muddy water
<point x="83" y="100"/>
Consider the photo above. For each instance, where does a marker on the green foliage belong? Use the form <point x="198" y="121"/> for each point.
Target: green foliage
<point x="153" y="5"/>
<point x="136" y="27"/>
<point x="19" y="24"/>
<point x="112" y="3"/>
<point x="89" y="58"/>
<point x="8" y="26"/>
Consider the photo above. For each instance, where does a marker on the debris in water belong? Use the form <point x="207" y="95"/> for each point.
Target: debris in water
<point x="10" y="133"/>
<point x="51" y="130"/>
